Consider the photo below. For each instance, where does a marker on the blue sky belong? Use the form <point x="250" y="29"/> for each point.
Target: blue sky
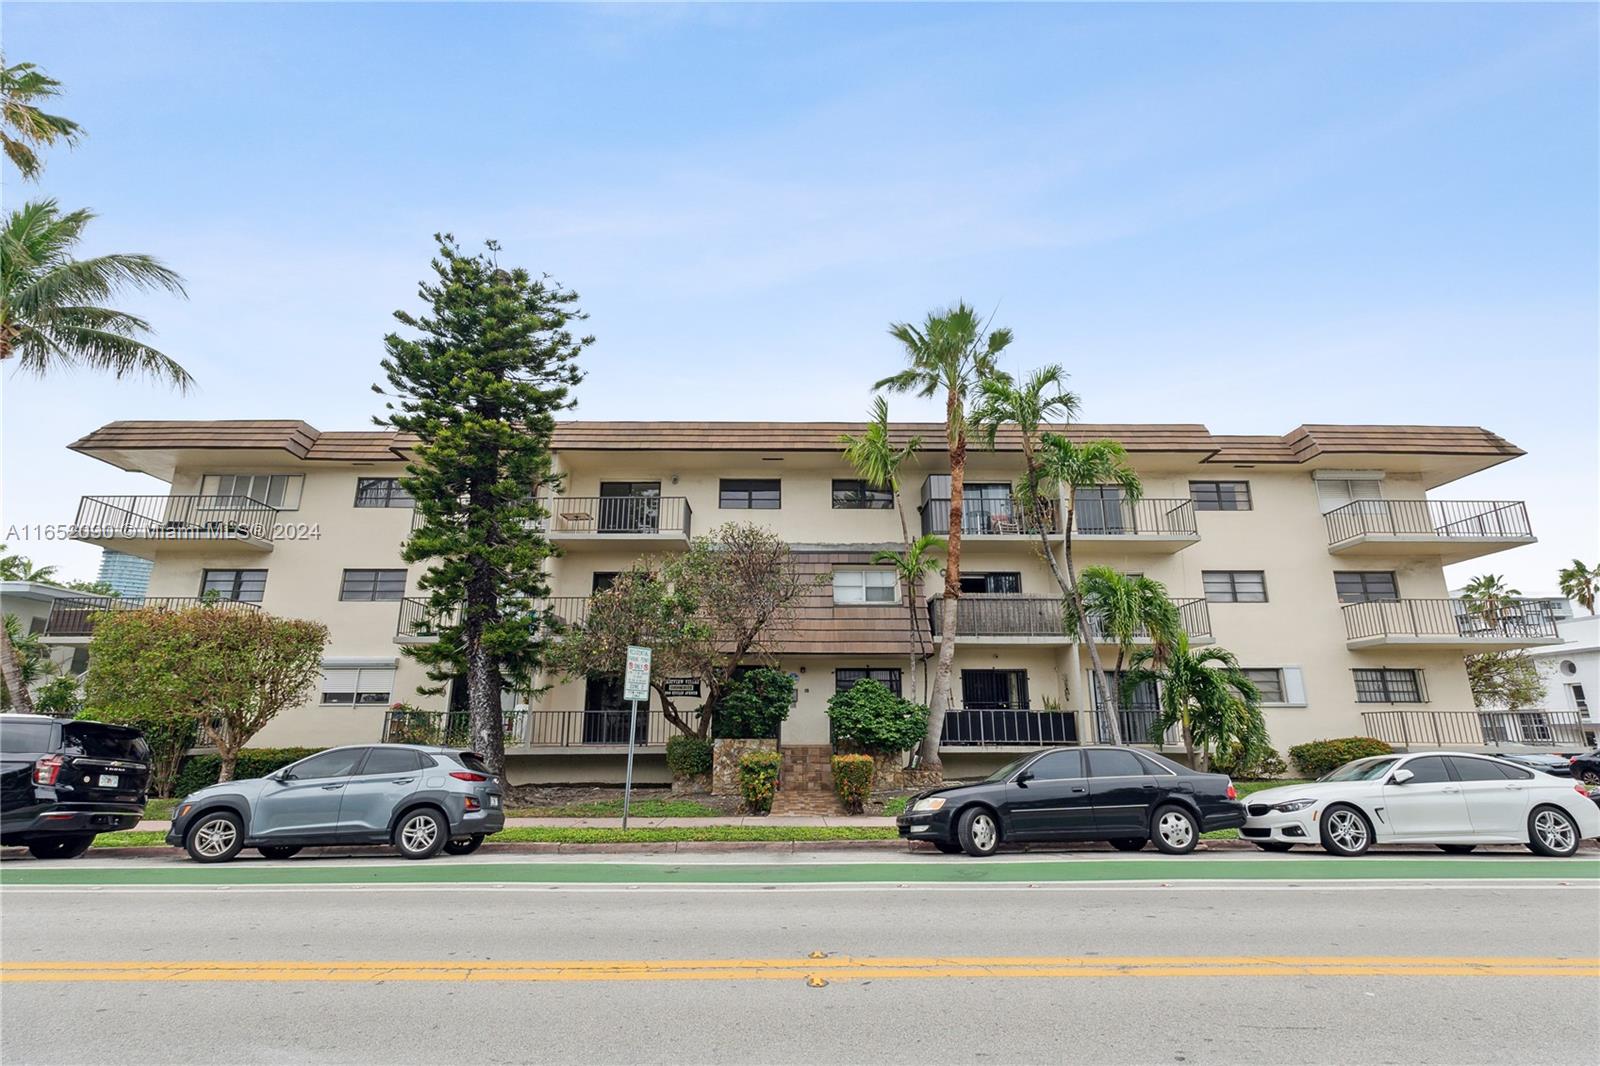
<point x="1249" y="216"/>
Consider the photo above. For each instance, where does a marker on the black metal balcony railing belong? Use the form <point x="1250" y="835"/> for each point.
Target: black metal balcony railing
<point x="983" y="516"/>
<point x="1439" y="729"/>
<point x="531" y="728"/>
<point x="619" y="514"/>
<point x="1146" y="517"/>
<point x="1007" y="615"/>
<point x="1446" y="618"/>
<point x="174" y="518"/>
<point x="75" y="617"/>
<point x="1453" y="519"/>
<point x="443" y="728"/>
<point x="1012" y="727"/>
<point x="570" y="610"/>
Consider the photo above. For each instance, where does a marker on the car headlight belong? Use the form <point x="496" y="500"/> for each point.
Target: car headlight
<point x="1294" y="805"/>
<point x="932" y="803"/>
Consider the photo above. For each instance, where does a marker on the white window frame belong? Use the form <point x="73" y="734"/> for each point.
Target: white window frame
<point x="853" y="588"/>
<point x="1292" y="682"/>
<point x="359" y="678"/>
<point x="293" y="486"/>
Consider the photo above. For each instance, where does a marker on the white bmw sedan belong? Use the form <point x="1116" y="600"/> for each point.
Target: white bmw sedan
<point x="1450" y="799"/>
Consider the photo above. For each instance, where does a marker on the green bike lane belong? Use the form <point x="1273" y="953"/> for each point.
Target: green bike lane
<point x="718" y="871"/>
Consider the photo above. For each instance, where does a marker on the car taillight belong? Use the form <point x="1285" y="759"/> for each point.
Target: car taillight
<point x="1233" y="793"/>
<point x="46" y="770"/>
<point x="1580" y="790"/>
<point x="1572" y="760"/>
<point x="467" y="775"/>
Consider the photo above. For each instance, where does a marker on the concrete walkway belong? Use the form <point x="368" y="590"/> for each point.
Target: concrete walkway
<point x="861" y="821"/>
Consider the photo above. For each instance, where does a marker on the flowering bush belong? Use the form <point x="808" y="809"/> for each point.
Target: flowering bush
<point x="758" y="779"/>
<point x="852" y="780"/>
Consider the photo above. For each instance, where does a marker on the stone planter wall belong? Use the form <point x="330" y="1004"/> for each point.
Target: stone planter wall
<point x="725" y="756"/>
<point x="693" y="785"/>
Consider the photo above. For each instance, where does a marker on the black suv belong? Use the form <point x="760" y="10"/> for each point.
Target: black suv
<point x="62" y="782"/>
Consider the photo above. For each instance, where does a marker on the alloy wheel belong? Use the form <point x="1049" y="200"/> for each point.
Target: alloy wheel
<point x="215" y="838"/>
<point x="1175" y="829"/>
<point x="1348" y="830"/>
<point x="1555" y="831"/>
<point x="419" y="832"/>
<point x="983" y="832"/>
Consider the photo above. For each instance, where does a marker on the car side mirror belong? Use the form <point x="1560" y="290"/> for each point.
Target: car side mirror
<point x="1024" y="777"/>
<point x="283" y="777"/>
<point x="1401" y="777"/>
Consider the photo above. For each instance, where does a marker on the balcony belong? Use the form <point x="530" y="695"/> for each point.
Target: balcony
<point x="1476" y="729"/>
<point x="1149" y="525"/>
<point x="551" y="730"/>
<point x="1445" y="623"/>
<point x="139" y="525"/>
<point x="72" y="621"/>
<point x="1452" y="530"/>
<point x="591" y="522"/>
<point x="1003" y="618"/>
<point x="419" y="624"/>
<point x="1020" y="728"/>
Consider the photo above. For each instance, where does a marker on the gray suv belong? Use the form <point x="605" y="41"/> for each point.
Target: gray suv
<point x="419" y="799"/>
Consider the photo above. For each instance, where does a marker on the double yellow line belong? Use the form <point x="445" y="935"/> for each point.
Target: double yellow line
<point x="824" y="970"/>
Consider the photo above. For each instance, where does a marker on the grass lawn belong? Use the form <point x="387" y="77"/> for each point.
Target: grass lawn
<point x="563" y="835"/>
<point x="895" y="806"/>
<point x="640" y="808"/>
<point x="159" y="810"/>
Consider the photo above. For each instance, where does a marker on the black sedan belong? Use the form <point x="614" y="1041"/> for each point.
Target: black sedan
<point x="1120" y="795"/>
<point x="1556" y="765"/>
<point x="1586" y="767"/>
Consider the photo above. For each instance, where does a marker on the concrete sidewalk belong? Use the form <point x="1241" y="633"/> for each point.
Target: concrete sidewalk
<point x="860" y="821"/>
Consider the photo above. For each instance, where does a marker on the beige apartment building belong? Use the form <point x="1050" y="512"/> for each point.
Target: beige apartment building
<point x="1316" y="557"/>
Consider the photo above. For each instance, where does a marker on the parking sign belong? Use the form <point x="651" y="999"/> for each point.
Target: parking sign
<point x="636" y="678"/>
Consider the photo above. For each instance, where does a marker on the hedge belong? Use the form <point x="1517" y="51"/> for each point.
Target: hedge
<point x="1322" y="756"/>
<point x="852" y="780"/>
<point x="869" y="717"/>
<point x="688" y="756"/>
<point x="754" y="706"/>
<point x="758" y="779"/>
<point x="199" y="771"/>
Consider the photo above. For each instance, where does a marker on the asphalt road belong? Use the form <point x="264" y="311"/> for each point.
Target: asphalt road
<point x="1092" y="973"/>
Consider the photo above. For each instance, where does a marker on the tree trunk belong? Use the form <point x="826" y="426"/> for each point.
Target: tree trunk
<point x="1196" y="760"/>
<point x="11" y="672"/>
<point x="912" y="592"/>
<point x="227" y="752"/>
<point x="939" y="703"/>
<point x="916" y="649"/>
<point x="1109" y="709"/>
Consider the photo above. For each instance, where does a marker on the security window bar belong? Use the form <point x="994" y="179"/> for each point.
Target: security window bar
<point x="1389" y="686"/>
<point x="373" y="585"/>
<point x="1220" y="495"/>
<point x="246" y="586"/>
<point x="750" y="494"/>
<point x="888" y="677"/>
<point x="1235" y="586"/>
<point x="1365" y="586"/>
<point x="853" y="494"/>
<point x="381" y="492"/>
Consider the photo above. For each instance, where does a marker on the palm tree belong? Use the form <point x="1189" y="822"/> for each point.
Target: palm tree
<point x="1064" y="468"/>
<point x="1122" y="608"/>
<point x="1488" y="597"/>
<point x="23" y="660"/>
<point x="22" y="568"/>
<point x="51" y="316"/>
<point x="1579" y="583"/>
<point x="877" y="459"/>
<point x="1208" y="697"/>
<point x="911" y="566"/>
<point x="949" y="354"/>
<point x="23" y="126"/>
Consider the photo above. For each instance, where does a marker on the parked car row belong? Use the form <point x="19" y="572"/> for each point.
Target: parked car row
<point x="1130" y="797"/>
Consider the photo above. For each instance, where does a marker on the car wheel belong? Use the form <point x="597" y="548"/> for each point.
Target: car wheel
<point x="1552" y="832"/>
<point x="1458" y="849"/>
<point x="1174" y="830"/>
<point x="1345" y="831"/>
<point x="978" y="832"/>
<point x="1129" y="843"/>
<point x="420" y="834"/>
<point x="1273" y="845"/>
<point x="947" y="847"/>
<point x="1590" y="778"/>
<point x="215" y="837"/>
<point x="463" y="845"/>
<point x="61" y="847"/>
<point x="279" y="851"/>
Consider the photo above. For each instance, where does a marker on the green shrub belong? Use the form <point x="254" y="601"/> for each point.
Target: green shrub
<point x="170" y="737"/>
<point x="852" y="780"/>
<point x="200" y="771"/>
<point x="754" y="705"/>
<point x="868" y="717"/>
<point x="1320" y="756"/>
<point x="758" y="779"/>
<point x="1269" y="764"/>
<point x="688" y="756"/>
<point x="58" y="697"/>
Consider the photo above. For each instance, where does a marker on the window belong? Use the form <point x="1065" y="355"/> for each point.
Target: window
<point x="337" y="763"/>
<point x="993" y="582"/>
<point x="1579" y="700"/>
<point x="1475" y="769"/>
<point x="1235" y="586"/>
<point x="1334" y="493"/>
<point x="1389" y="686"/>
<point x="992" y="690"/>
<point x="602" y="580"/>
<point x="1365" y="586"/>
<point x="1269" y="683"/>
<point x="1103" y="509"/>
<point x="1569" y="667"/>
<point x="888" y="677"/>
<point x="391" y="761"/>
<point x="1111" y="762"/>
<point x="37" y="625"/>
<point x="26" y="737"/>
<point x="1512" y="773"/>
<point x="245" y="586"/>
<point x="80" y="661"/>
<point x="1058" y="766"/>
<point x="381" y="492"/>
<point x="629" y="507"/>
<point x="749" y="494"/>
<point x="1428" y="770"/>
<point x="373" y="585"/>
<point x="275" y="490"/>
<point x="357" y="685"/>
<point x="855" y="494"/>
<point x="1220" y="495"/>
<point x="864" y="586"/>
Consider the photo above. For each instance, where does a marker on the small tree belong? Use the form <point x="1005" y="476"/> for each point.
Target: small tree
<point x="1491" y="599"/>
<point x="1507" y="679"/>
<point x="1208" y="698"/>
<point x="910" y="566"/>
<point x="24" y="659"/>
<point x="870" y="717"/>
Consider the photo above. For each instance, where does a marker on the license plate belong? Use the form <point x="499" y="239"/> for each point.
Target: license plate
<point x="494" y="801"/>
<point x="108" y="780"/>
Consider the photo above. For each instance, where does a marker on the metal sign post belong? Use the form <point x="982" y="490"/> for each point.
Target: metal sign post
<point x="635" y="687"/>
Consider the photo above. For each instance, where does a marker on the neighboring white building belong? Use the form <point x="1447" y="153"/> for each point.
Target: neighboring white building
<point x="1571" y="671"/>
<point x="31" y="601"/>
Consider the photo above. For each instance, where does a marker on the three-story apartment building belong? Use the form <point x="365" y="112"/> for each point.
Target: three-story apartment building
<point x="1316" y="557"/>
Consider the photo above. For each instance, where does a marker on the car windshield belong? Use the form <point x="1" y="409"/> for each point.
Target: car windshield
<point x="1009" y="768"/>
<point x="103" y="742"/>
<point x="1360" y="770"/>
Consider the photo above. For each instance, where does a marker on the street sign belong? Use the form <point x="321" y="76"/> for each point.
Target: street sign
<point x="683" y="686"/>
<point x="636" y="678"/>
